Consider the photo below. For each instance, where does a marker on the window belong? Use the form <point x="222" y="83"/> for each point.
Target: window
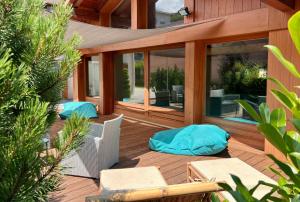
<point x="164" y="13"/>
<point x="129" y="77"/>
<point x="93" y="76"/>
<point x="236" y="70"/>
<point x="121" y="17"/>
<point x="167" y="78"/>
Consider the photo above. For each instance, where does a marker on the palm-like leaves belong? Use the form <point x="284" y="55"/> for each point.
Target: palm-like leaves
<point x="273" y="126"/>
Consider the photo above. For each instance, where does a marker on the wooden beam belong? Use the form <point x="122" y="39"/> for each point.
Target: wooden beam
<point x="87" y="12"/>
<point x="72" y="1"/>
<point x="146" y="80"/>
<point x="106" y="84"/>
<point x="283" y="5"/>
<point x="86" y="15"/>
<point x="110" y="6"/>
<point x="194" y="77"/>
<point x="79" y="81"/>
<point x="85" y="20"/>
<point x="234" y="25"/>
<point x="66" y="90"/>
<point x="78" y="3"/>
<point x="106" y="10"/>
<point x="139" y="14"/>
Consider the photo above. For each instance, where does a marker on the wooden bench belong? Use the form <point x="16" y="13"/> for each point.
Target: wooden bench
<point x="221" y="170"/>
<point x="147" y="184"/>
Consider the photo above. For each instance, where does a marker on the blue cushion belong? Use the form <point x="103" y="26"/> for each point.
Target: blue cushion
<point x="83" y="109"/>
<point x="192" y="140"/>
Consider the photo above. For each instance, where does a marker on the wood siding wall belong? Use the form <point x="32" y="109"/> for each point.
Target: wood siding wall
<point x="280" y="38"/>
<point x="205" y="9"/>
<point x="252" y="19"/>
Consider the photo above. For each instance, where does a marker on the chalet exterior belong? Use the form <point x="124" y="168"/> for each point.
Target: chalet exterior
<point x="191" y="73"/>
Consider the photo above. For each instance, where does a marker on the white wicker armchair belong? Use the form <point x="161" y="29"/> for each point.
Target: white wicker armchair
<point x="99" y="151"/>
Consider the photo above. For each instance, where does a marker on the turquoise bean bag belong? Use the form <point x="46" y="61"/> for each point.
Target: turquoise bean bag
<point x="83" y="109"/>
<point x="193" y="140"/>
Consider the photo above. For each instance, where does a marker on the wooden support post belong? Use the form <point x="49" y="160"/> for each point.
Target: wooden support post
<point x="79" y="81"/>
<point x="66" y="89"/>
<point x="194" y="85"/>
<point x="139" y="14"/>
<point x="106" y="83"/>
<point x="146" y="80"/>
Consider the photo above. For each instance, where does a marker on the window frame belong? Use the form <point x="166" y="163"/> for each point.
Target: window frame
<point x="222" y="122"/>
<point x="146" y="107"/>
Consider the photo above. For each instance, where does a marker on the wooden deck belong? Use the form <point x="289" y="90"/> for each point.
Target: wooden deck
<point x="134" y="152"/>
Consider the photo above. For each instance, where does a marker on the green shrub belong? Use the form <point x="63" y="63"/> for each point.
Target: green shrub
<point x="273" y="125"/>
<point x="164" y="78"/>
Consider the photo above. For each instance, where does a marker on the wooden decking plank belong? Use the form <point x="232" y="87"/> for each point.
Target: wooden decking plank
<point x="134" y="152"/>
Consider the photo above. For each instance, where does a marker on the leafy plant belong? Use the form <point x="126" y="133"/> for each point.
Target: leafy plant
<point x="241" y="76"/>
<point x="164" y="78"/>
<point x="273" y="125"/>
<point x="35" y="62"/>
<point x="125" y="83"/>
<point x="139" y="73"/>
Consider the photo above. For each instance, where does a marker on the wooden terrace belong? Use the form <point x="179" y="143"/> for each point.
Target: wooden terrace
<point x="134" y="152"/>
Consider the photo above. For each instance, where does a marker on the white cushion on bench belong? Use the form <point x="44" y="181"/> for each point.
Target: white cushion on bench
<point x="127" y="179"/>
<point x="221" y="169"/>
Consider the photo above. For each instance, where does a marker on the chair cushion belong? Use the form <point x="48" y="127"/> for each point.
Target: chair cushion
<point x="122" y="180"/>
<point x="83" y="109"/>
<point x="191" y="140"/>
<point x="221" y="170"/>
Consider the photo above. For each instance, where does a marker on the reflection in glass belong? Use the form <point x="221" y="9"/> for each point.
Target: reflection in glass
<point x="164" y="13"/>
<point x="93" y="76"/>
<point x="167" y="78"/>
<point x="236" y="70"/>
<point x="129" y="77"/>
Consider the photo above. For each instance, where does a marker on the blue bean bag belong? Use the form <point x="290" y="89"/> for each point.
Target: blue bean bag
<point x="193" y="140"/>
<point x="83" y="109"/>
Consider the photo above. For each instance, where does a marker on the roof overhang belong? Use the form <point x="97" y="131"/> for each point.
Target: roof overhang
<point x="96" y="36"/>
<point x="283" y="5"/>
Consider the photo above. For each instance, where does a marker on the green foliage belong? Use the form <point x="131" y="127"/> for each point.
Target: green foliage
<point x="242" y="77"/>
<point x="125" y="83"/>
<point x="176" y="17"/>
<point x="273" y="125"/>
<point x="32" y="79"/>
<point x="164" y="78"/>
<point x="139" y="73"/>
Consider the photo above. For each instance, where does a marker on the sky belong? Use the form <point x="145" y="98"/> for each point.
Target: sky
<point x="170" y="6"/>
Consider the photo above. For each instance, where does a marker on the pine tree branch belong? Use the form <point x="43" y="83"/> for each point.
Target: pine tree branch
<point x="58" y="159"/>
<point x="44" y="91"/>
